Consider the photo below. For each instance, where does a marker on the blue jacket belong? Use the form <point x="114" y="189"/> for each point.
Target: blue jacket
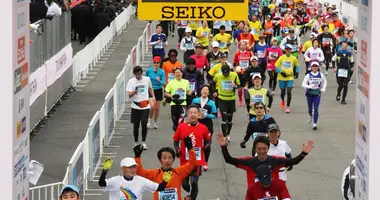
<point x="257" y="48"/>
<point x="158" y="49"/>
<point x="153" y="74"/>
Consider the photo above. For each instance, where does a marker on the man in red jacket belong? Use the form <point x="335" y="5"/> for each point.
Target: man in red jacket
<point x="267" y="188"/>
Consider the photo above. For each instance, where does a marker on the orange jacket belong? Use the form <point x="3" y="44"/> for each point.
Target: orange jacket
<point x="168" y="68"/>
<point x="178" y="174"/>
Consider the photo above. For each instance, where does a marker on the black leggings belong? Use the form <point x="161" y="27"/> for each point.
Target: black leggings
<point x="272" y="80"/>
<point x="178" y="114"/>
<point x="137" y="117"/>
<point x="276" y="31"/>
<point x="288" y="92"/>
<point x="181" y="33"/>
<point x="342" y="85"/>
<point x="194" y="188"/>
<point x="263" y="67"/>
<point x="328" y="57"/>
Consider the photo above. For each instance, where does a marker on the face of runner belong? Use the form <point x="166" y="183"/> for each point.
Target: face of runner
<point x="246" y="29"/>
<point x="166" y="160"/>
<point x="191" y="67"/>
<point x="345" y="34"/>
<point x="70" y="195"/>
<point x="328" y="21"/>
<point x="243" y="46"/>
<point x="241" y="25"/>
<point x="254" y="18"/>
<point x="314" y="68"/>
<point x="204" y="24"/>
<point x="259" y="110"/>
<point x="193" y="115"/>
<point x="352" y="34"/>
<point x="222" y="31"/>
<point x="198" y="50"/>
<point x="188" y="34"/>
<point x="273" y="136"/>
<point x="159" y="29"/>
<point x="326" y="29"/>
<point x="257" y="81"/>
<point x="288" y="51"/>
<point x="138" y="75"/>
<point x="205" y="92"/>
<point x="261" y="150"/>
<point x="129" y="171"/>
<point x="344" y="46"/>
<point x="156" y="64"/>
<point x="173" y="57"/>
<point x="223" y="60"/>
<point x="315" y="44"/>
<point x="254" y="63"/>
<point x="178" y="74"/>
<point x="274" y="43"/>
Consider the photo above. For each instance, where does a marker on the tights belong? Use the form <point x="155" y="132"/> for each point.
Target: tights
<point x="288" y="92"/>
<point x="226" y="123"/>
<point x="342" y="85"/>
<point x="144" y="130"/>
<point x="272" y="80"/>
<point x="193" y="187"/>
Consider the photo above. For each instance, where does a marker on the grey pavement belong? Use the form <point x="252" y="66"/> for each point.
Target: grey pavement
<point x="55" y="144"/>
<point x="317" y="177"/>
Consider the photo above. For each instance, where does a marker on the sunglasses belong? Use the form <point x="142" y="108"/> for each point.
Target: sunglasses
<point x="259" y="107"/>
<point x="156" y="62"/>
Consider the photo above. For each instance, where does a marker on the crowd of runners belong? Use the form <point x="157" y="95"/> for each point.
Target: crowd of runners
<point x="204" y="88"/>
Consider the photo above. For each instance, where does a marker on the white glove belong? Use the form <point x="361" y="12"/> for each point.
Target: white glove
<point x="205" y="114"/>
<point x="310" y="87"/>
<point x="323" y="90"/>
<point x="307" y="59"/>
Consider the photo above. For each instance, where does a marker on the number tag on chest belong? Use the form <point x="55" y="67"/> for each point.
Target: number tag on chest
<point x="198" y="153"/>
<point x="226" y="85"/>
<point x="168" y="194"/>
<point x="171" y="76"/>
<point x="342" y="73"/>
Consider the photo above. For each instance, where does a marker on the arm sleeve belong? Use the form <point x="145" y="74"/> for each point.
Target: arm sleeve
<point x="148" y="174"/>
<point x="305" y="82"/>
<point x="324" y="82"/>
<point x="249" y="132"/>
<point x="213" y="113"/>
<point x="294" y="161"/>
<point x="270" y="98"/>
<point x="150" y="185"/>
<point x="306" y="54"/>
<point x="234" y="161"/>
<point x="186" y="169"/>
<point x="102" y="180"/>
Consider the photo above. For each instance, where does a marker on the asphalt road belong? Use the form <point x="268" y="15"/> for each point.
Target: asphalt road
<point x="318" y="177"/>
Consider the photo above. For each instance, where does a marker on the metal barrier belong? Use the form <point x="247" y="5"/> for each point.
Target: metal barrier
<point x="50" y="192"/>
<point x="86" y="159"/>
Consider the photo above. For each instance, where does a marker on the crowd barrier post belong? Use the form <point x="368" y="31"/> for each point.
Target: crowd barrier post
<point x="109" y="115"/>
<point x="119" y="94"/>
<point x="95" y="145"/>
<point x="76" y="170"/>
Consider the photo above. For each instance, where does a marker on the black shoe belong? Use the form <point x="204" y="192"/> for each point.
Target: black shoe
<point x="343" y="102"/>
<point x="337" y="98"/>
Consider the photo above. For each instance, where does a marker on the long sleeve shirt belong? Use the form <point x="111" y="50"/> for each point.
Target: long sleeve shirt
<point x="314" y="54"/>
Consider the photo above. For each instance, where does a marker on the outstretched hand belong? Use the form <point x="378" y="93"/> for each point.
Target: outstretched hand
<point x="221" y="139"/>
<point x="138" y="149"/>
<point x="306" y="147"/>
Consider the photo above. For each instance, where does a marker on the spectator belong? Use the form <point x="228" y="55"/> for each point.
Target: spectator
<point x="110" y="10"/>
<point x="53" y="9"/>
<point x="78" y="21"/>
<point x="38" y="10"/>
<point x="102" y="19"/>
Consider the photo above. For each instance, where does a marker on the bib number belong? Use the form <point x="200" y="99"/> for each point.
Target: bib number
<point x="168" y="194"/>
<point x="205" y="33"/>
<point x="198" y="153"/>
<point x="159" y="46"/>
<point x="171" y="76"/>
<point x="255" y="134"/>
<point x="192" y="86"/>
<point x="257" y="98"/>
<point x="294" y="48"/>
<point x="273" y="55"/>
<point x="261" y="54"/>
<point x="227" y="85"/>
<point x="181" y="93"/>
<point x="244" y="64"/>
<point x="222" y="45"/>
<point x="269" y="198"/>
<point x="286" y="64"/>
<point x="189" y="46"/>
<point x="342" y="73"/>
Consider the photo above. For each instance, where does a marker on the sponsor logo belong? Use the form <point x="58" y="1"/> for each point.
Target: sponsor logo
<point x="21" y="104"/>
<point x="21" y="20"/>
<point x="33" y="86"/>
<point x="21" y="49"/>
<point x="362" y="131"/>
<point x="17" y="80"/>
<point x="193" y="12"/>
<point x="362" y="108"/>
<point x="20" y="127"/>
<point x="24" y="75"/>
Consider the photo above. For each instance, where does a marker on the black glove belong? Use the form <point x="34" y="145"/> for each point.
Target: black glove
<point x="283" y="74"/>
<point x="178" y="153"/>
<point x="242" y="145"/>
<point x="290" y="168"/>
<point x="188" y="143"/>
<point x="296" y="75"/>
<point x="175" y="97"/>
<point x="138" y="149"/>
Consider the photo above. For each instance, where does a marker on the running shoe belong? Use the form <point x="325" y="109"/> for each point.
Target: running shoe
<point x="287" y="110"/>
<point x="228" y="139"/>
<point x="273" y="93"/>
<point x="315" y="127"/>
<point x="144" y="146"/>
<point x="155" y="126"/>
<point x="351" y="82"/>
<point x="326" y="74"/>
<point x="310" y="120"/>
<point x="343" y="102"/>
<point x="149" y="124"/>
<point x="135" y="144"/>
<point x="205" y="167"/>
<point x="240" y="103"/>
<point x="337" y="98"/>
<point x="282" y="105"/>
<point x="172" y="34"/>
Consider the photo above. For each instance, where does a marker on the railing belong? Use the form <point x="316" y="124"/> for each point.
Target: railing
<point x="50" y="192"/>
<point x="52" y="57"/>
<point x="86" y="159"/>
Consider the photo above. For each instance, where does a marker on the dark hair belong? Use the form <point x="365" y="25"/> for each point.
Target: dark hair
<point x="165" y="149"/>
<point x="258" y="103"/>
<point x="315" y="40"/>
<point x="158" y="25"/>
<point x="193" y="106"/>
<point x="222" y="27"/>
<point x="261" y="139"/>
<point x="177" y="68"/>
<point x="190" y="61"/>
<point x="137" y="69"/>
<point x="172" y="51"/>
<point x="349" y="31"/>
<point x="324" y="26"/>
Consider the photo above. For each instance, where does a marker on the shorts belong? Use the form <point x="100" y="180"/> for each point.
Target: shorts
<point x="197" y="171"/>
<point x="139" y="115"/>
<point x="227" y="106"/>
<point x="159" y="94"/>
<point x="285" y="84"/>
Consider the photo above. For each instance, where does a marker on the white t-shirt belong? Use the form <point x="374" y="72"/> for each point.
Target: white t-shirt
<point x="281" y="150"/>
<point x="142" y="86"/>
<point x="121" y="189"/>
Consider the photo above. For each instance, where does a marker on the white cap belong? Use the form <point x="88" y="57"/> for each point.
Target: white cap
<point x="128" y="162"/>
<point x="313" y="35"/>
<point x="256" y="75"/>
<point x="215" y="44"/>
<point x="314" y="63"/>
<point x="254" y="58"/>
<point x="288" y="46"/>
<point x="188" y="30"/>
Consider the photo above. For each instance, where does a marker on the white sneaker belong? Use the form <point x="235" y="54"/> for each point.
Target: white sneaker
<point x="351" y="82"/>
<point x="326" y="73"/>
<point x="228" y="139"/>
<point x="310" y="120"/>
<point x="272" y="93"/>
<point x="315" y="127"/>
<point x="135" y="144"/>
<point x="149" y="124"/>
<point x="155" y="126"/>
<point x="144" y="146"/>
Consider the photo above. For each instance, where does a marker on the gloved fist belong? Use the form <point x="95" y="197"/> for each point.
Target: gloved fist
<point x="242" y="145"/>
<point x="107" y="164"/>
<point x="167" y="176"/>
<point x="296" y="75"/>
<point x="138" y="149"/>
<point x="206" y="147"/>
<point x="188" y="143"/>
<point x="175" y="97"/>
<point x="290" y="168"/>
<point x="178" y="153"/>
<point x="283" y="74"/>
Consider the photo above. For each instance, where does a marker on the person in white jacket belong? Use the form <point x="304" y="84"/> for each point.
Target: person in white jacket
<point x="313" y="53"/>
<point x="314" y="83"/>
<point x="348" y="182"/>
<point x="53" y="9"/>
<point x="187" y="44"/>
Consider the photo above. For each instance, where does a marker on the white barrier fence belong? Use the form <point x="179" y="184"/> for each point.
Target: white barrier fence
<point x="86" y="159"/>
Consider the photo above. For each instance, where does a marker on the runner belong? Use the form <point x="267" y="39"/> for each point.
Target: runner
<point x="288" y="69"/>
<point x="348" y="182"/>
<point x="175" y="92"/>
<point x="293" y="41"/>
<point x="213" y="56"/>
<point x="203" y="35"/>
<point x="313" y="54"/>
<point x="247" y="37"/>
<point x="257" y="94"/>
<point x="158" y="41"/>
<point x="327" y="40"/>
<point x="224" y="39"/>
<point x="129" y="185"/>
<point x="200" y="137"/>
<point x="69" y="192"/>
<point x="158" y="80"/>
<point x="195" y="79"/>
<point x="314" y="83"/>
<point x="170" y="64"/>
<point x="182" y="26"/>
<point x="272" y="54"/>
<point x="166" y="156"/>
<point x="253" y="69"/>
<point x="241" y="63"/>
<point x="225" y="85"/>
<point x="259" y="51"/>
<point x="187" y="45"/>
<point x="208" y="112"/>
<point x="344" y="62"/>
<point x="139" y="90"/>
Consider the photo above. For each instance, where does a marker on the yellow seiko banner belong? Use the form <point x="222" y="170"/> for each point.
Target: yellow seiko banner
<point x="193" y="10"/>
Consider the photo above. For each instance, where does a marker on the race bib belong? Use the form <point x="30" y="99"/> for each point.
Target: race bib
<point x="255" y="134"/>
<point x="227" y="85"/>
<point x="189" y="45"/>
<point x="286" y="64"/>
<point x="159" y="46"/>
<point x="222" y="45"/>
<point x="171" y="76"/>
<point x="183" y="23"/>
<point x="203" y="110"/>
<point x="205" y="33"/>
<point x="257" y="98"/>
<point x="314" y="56"/>
<point x="326" y="40"/>
<point x="253" y="31"/>
<point x="181" y="93"/>
<point x="261" y="54"/>
<point x="269" y="30"/>
<point x="244" y="64"/>
<point x="282" y="9"/>
<point x="192" y="86"/>
<point x="273" y="55"/>
<point x="268" y="198"/>
<point x="342" y="73"/>
<point x="294" y="48"/>
<point x="246" y="41"/>
<point x="140" y="89"/>
<point x="198" y="153"/>
<point x="168" y="194"/>
<point x="212" y="63"/>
